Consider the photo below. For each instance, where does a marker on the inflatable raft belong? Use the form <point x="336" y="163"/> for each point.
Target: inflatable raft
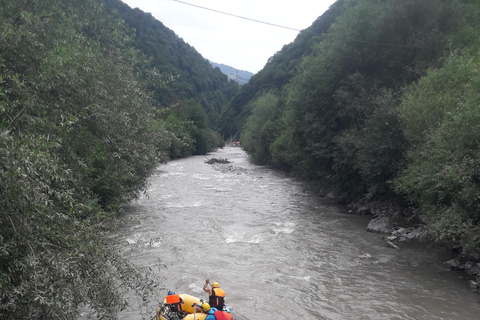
<point x="189" y="301"/>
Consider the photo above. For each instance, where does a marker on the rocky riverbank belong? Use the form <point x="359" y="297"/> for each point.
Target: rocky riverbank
<point x="385" y="220"/>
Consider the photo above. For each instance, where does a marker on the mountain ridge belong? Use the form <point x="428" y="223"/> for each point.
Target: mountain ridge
<point x="239" y="76"/>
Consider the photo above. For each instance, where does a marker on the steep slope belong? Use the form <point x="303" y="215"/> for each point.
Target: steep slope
<point x="194" y="77"/>
<point x="278" y="71"/>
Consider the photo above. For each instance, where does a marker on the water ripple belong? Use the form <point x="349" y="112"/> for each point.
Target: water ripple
<point x="280" y="252"/>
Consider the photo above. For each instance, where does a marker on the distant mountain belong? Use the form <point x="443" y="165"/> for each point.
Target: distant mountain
<point x="240" y="76"/>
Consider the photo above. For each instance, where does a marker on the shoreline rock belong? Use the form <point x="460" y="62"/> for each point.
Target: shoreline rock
<point x="380" y="224"/>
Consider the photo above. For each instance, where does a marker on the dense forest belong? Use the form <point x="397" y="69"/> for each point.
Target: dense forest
<point x="382" y="104"/>
<point x="377" y="100"/>
<point x="90" y="104"/>
<point x="277" y="72"/>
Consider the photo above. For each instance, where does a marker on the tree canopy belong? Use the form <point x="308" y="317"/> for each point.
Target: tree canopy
<point x="365" y="110"/>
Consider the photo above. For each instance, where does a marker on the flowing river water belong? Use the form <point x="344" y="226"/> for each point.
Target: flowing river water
<point x="279" y="251"/>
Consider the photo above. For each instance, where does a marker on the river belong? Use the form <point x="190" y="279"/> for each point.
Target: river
<point x="279" y="251"/>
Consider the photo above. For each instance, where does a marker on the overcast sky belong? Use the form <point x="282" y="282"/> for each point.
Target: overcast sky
<point x="239" y="43"/>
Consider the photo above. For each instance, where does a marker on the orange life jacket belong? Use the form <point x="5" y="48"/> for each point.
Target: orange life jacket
<point x="228" y="316"/>
<point x="217" y="299"/>
<point x="174" y="302"/>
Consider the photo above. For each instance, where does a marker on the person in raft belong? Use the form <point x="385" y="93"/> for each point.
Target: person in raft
<point x="174" y="301"/>
<point x="217" y="315"/>
<point x="214" y="314"/>
<point x="216" y="296"/>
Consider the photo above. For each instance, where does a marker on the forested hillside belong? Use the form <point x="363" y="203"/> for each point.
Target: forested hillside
<point x="193" y="76"/>
<point x="277" y="72"/>
<point x="384" y="106"/>
<point x="87" y="113"/>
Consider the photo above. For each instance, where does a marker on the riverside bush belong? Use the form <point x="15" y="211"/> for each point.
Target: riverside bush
<point x="77" y="141"/>
<point x="442" y="119"/>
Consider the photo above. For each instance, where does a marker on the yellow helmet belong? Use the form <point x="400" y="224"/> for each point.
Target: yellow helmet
<point x="205" y="307"/>
<point x="215" y="285"/>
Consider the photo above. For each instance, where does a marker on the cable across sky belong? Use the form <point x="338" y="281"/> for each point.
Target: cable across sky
<point x="237" y="16"/>
<point x="298" y="30"/>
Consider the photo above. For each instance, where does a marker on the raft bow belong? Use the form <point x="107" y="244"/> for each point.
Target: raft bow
<point x="188" y="306"/>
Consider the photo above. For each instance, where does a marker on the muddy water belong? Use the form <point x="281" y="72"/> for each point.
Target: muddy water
<point x="279" y="251"/>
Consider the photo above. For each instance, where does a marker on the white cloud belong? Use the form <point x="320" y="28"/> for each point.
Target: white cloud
<point x="236" y="42"/>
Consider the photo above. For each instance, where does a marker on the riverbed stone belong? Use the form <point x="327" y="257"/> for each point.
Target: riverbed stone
<point x="323" y="192"/>
<point x="331" y="196"/>
<point x="228" y="168"/>
<point x="390" y="238"/>
<point x="392" y="245"/>
<point x="474" y="271"/>
<point x="364" y="210"/>
<point x="405" y="234"/>
<point x="452" y="264"/>
<point x="467" y="266"/>
<point x="365" y="256"/>
<point x="473" y="284"/>
<point x="379" y="225"/>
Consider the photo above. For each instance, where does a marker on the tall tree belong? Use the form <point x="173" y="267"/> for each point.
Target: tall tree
<point x="372" y="51"/>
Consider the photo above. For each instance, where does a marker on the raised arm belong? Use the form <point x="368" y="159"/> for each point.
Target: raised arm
<point x="206" y="288"/>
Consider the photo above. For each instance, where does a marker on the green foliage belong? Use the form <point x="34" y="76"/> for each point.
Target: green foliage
<point x="190" y="131"/>
<point x="78" y="139"/>
<point x="348" y="122"/>
<point x="284" y="151"/>
<point x="423" y="111"/>
<point x="442" y="178"/>
<point x="261" y="129"/>
<point x="374" y="47"/>
<point x="374" y="150"/>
